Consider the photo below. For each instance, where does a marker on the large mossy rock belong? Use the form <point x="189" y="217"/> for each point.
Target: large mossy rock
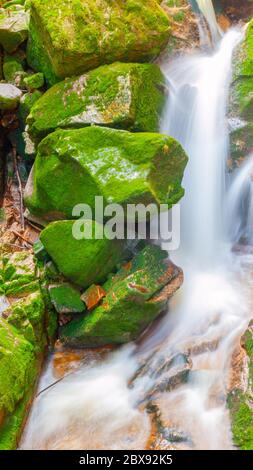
<point x="27" y="324"/>
<point x="75" y="166"/>
<point x="136" y="295"/>
<point x="13" y="27"/>
<point x="84" y="261"/>
<point x="70" y="37"/>
<point x="18" y="373"/>
<point x="126" y="96"/>
<point x="241" y="102"/>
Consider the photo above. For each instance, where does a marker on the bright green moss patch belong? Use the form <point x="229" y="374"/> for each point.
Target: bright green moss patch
<point x="11" y="66"/>
<point x="240" y="406"/>
<point x="66" y="299"/>
<point x="128" y="306"/>
<point x="27" y="324"/>
<point x="75" y="166"/>
<point x="34" y="81"/>
<point x="240" y="402"/>
<point x="67" y="39"/>
<point x="128" y="96"/>
<point x="84" y="261"/>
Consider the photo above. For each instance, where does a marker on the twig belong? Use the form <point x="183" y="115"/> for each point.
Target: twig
<point x="20" y="189"/>
<point x="22" y="237"/>
<point x="51" y="385"/>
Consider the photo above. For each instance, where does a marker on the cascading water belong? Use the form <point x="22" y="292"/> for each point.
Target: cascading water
<point x="95" y="408"/>
<point x="240" y="204"/>
<point x="207" y="9"/>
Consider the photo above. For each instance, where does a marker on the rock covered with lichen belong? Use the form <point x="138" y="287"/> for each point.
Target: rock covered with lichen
<point x="126" y="96"/>
<point x="69" y="38"/>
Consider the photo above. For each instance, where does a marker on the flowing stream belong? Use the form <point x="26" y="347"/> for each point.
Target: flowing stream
<point x="94" y="408"/>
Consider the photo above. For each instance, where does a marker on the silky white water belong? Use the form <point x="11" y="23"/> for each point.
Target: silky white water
<point x="207" y="9"/>
<point x="95" y="408"/>
<point x="240" y="204"/>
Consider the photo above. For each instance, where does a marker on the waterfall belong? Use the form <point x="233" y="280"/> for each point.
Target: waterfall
<point x="207" y="9"/>
<point x="94" y="408"/>
<point x="196" y="116"/>
<point x="240" y="204"/>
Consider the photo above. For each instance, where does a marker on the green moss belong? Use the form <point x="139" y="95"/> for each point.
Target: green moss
<point x="128" y="306"/>
<point x="67" y="39"/>
<point x="26" y="328"/>
<point x="243" y="95"/>
<point x="242" y="89"/>
<point x="26" y="103"/>
<point x="130" y="168"/>
<point x="11" y="66"/>
<point x="84" y="261"/>
<point x="66" y="299"/>
<point x="126" y="96"/>
<point x="240" y="402"/>
<point x="34" y="81"/>
<point x="241" y="143"/>
<point x="240" y="406"/>
<point x="28" y="316"/>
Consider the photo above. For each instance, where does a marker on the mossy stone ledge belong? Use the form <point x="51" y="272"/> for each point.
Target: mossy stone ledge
<point x="69" y="38"/>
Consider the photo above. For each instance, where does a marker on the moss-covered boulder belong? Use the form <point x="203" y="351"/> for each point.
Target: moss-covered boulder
<point x="13" y="27"/>
<point x="18" y="373"/>
<point x="69" y="38"/>
<point x="126" y="96"/>
<point x="9" y="96"/>
<point x="84" y="261"/>
<point x="240" y="398"/>
<point x="241" y="102"/>
<point x="135" y="296"/>
<point x="27" y="324"/>
<point x="75" y="166"/>
<point x="12" y="66"/>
